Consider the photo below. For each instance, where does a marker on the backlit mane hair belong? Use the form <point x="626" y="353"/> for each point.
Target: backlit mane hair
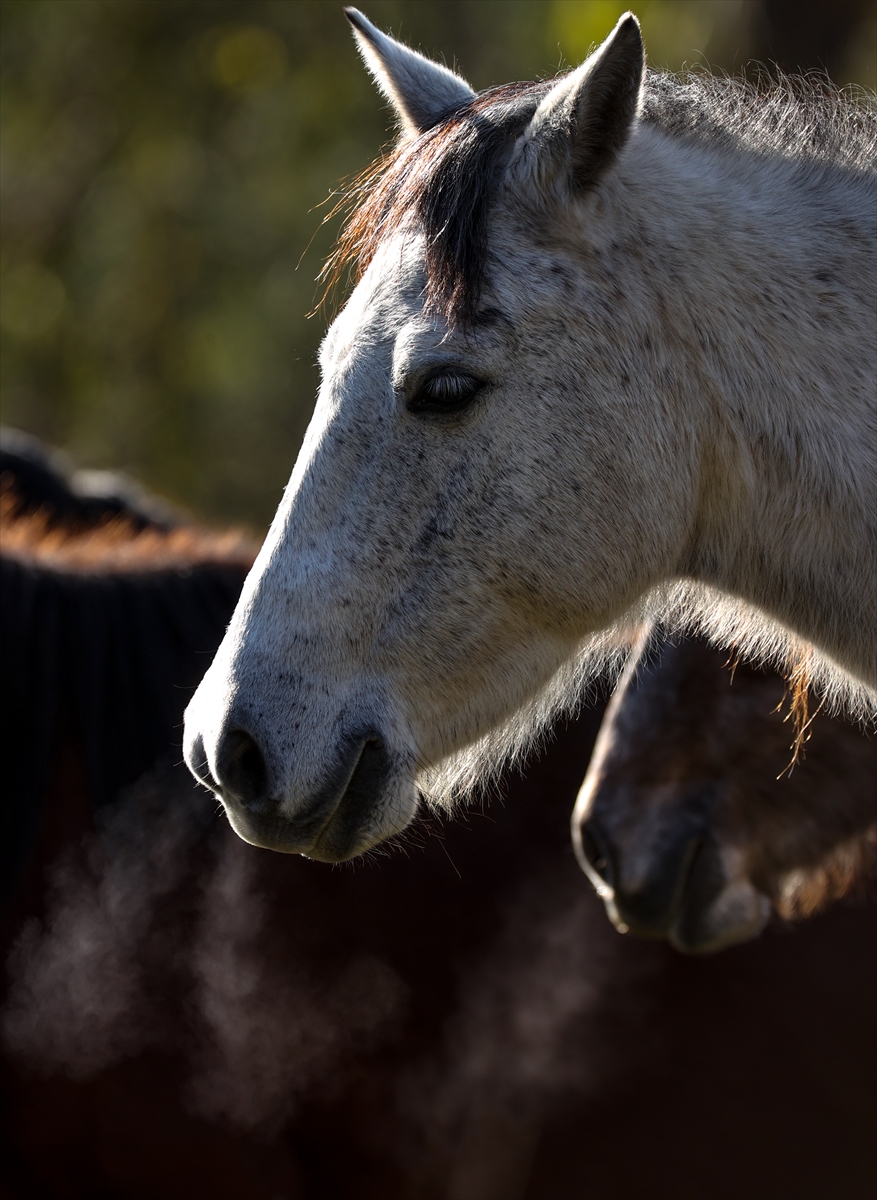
<point x="441" y="183"/>
<point x="116" y="545"/>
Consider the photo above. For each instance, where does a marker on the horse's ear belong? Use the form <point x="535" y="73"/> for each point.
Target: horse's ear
<point x="586" y="118"/>
<point x="421" y="91"/>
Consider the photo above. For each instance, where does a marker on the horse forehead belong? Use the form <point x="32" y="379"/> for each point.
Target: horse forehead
<point x="387" y="297"/>
<point x="386" y="312"/>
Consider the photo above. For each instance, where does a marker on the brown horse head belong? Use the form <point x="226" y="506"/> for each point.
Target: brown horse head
<point x="691" y="822"/>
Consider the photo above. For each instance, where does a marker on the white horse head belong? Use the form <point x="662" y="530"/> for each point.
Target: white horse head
<point x="563" y="381"/>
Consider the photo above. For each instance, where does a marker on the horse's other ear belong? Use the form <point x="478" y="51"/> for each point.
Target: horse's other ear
<point x="421" y="91"/>
<point x="587" y="117"/>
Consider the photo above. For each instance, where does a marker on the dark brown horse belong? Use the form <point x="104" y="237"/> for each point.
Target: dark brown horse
<point x="698" y="817"/>
<point x="106" y="630"/>
<point x="188" y="1015"/>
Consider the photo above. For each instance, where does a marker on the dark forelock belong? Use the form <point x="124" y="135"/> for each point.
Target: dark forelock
<point x="441" y="184"/>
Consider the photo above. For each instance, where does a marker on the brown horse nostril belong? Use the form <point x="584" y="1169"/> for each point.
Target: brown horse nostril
<point x="596" y="851"/>
<point x="241" y="768"/>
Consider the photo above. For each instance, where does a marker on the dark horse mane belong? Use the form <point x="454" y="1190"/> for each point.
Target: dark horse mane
<point x="106" y="631"/>
<point x="442" y="183"/>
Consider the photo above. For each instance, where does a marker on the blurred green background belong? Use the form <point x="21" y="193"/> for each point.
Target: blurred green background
<point x="163" y="167"/>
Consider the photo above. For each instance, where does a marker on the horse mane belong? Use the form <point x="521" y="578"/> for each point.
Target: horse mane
<point x="802" y="117"/>
<point x="115" y="544"/>
<point x="442" y="182"/>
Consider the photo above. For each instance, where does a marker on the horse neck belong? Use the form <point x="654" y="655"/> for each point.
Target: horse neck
<point x="762" y="278"/>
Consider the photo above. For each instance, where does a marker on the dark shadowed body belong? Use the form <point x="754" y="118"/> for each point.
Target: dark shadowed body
<point x="107" y="628"/>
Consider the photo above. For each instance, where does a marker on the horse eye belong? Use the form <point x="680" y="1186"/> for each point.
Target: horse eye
<point x="446" y="392"/>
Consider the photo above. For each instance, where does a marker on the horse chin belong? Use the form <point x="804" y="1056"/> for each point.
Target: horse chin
<point x="336" y="842"/>
<point x="354" y="828"/>
<point x="738" y="914"/>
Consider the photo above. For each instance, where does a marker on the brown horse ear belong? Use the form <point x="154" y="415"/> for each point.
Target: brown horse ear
<point x="420" y="90"/>
<point x="587" y="117"/>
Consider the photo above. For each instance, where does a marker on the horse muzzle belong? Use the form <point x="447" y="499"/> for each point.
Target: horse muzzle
<point x="363" y="799"/>
<point x="683" y="893"/>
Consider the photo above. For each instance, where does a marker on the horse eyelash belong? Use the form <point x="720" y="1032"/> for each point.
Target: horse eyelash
<point x="448" y="388"/>
<point x="456" y="385"/>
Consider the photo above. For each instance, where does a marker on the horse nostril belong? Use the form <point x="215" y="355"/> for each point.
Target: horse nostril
<point x="596" y="851"/>
<point x="241" y="768"/>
